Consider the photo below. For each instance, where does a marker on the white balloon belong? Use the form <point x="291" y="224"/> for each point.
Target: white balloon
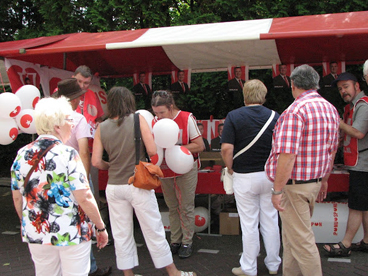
<point x="158" y="157"/>
<point x="10" y="105"/>
<point x="147" y="115"/>
<point x="9" y="131"/>
<point x="26" y="122"/>
<point x="165" y="133"/>
<point x="29" y="95"/>
<point x="200" y="219"/>
<point x="179" y="159"/>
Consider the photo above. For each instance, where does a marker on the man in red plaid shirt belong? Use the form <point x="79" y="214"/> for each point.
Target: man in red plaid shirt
<point x="304" y="144"/>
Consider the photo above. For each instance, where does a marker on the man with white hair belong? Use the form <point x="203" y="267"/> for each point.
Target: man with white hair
<point x="355" y="129"/>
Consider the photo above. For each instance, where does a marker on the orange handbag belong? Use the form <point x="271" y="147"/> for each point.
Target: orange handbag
<point x="146" y="175"/>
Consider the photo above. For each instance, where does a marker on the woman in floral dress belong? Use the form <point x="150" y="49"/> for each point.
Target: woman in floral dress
<point x="56" y="206"/>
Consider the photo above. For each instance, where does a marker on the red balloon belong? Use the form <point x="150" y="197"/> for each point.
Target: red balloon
<point x="15" y="112"/>
<point x="185" y="150"/>
<point x="200" y="221"/>
<point x="35" y="101"/>
<point x="26" y="120"/>
<point x="13" y="133"/>
<point x="154" y="159"/>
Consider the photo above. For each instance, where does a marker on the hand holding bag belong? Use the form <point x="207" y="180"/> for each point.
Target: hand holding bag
<point x="227" y="180"/>
<point x="146" y="175"/>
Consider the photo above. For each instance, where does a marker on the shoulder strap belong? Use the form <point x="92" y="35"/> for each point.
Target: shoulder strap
<point x="35" y="164"/>
<point x="255" y="139"/>
<point x="137" y="137"/>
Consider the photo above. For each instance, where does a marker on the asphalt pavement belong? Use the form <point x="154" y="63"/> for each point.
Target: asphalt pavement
<point x="214" y="255"/>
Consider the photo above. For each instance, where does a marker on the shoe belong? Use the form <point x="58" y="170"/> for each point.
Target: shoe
<point x="174" y="247"/>
<point x="360" y="246"/>
<point x="271" y="272"/>
<point x="187" y="273"/>
<point x="185" y="251"/>
<point x="101" y="271"/>
<point x="337" y="250"/>
<point x="238" y="271"/>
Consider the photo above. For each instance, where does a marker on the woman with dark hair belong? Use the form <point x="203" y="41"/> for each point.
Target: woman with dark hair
<point x="179" y="190"/>
<point x="116" y="136"/>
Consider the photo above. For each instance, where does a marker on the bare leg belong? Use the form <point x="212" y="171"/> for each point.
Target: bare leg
<point x="365" y="226"/>
<point x="354" y="221"/>
<point x="128" y="272"/>
<point x="172" y="270"/>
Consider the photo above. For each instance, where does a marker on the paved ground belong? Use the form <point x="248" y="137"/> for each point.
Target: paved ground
<point x="15" y="258"/>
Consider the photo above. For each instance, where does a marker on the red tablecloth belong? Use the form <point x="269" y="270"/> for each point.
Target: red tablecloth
<point x="210" y="183"/>
<point x="338" y="182"/>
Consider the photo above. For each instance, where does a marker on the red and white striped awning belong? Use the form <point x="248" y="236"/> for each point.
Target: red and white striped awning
<point x="205" y="47"/>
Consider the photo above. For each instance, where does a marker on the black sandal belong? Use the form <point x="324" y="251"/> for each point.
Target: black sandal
<point x="360" y="246"/>
<point x="341" y="251"/>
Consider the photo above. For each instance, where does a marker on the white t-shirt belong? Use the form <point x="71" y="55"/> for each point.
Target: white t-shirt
<point x="80" y="130"/>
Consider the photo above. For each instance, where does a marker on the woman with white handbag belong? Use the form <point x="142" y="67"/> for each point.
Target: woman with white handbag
<point x="246" y="144"/>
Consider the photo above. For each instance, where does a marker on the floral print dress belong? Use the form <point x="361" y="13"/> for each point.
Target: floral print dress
<point x="50" y="213"/>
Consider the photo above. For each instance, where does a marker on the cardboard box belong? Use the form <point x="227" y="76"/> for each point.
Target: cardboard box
<point x="229" y="223"/>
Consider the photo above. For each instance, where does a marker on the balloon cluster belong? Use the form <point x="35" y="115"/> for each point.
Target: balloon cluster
<point x="166" y="134"/>
<point x="16" y="113"/>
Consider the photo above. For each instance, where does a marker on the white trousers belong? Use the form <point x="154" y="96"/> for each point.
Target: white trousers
<point x="253" y="200"/>
<point x="50" y="260"/>
<point x="122" y="199"/>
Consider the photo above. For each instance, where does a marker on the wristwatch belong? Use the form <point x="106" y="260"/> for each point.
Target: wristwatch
<point x="100" y="230"/>
<point x="276" y="192"/>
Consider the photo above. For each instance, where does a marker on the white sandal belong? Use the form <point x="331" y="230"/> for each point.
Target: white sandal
<point x="187" y="273"/>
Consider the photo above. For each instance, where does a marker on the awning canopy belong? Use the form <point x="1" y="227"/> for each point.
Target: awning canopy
<point x="204" y="47"/>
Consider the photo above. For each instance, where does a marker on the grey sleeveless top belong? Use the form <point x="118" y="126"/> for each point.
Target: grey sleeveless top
<point x="118" y="141"/>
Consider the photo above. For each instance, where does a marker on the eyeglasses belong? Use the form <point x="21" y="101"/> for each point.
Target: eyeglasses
<point x="70" y="120"/>
<point x="161" y="93"/>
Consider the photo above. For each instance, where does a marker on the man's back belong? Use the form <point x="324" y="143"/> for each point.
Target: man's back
<point x="309" y="129"/>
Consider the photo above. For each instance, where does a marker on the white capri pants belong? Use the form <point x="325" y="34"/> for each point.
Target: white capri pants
<point x="51" y="260"/>
<point x="253" y="200"/>
<point x="122" y="199"/>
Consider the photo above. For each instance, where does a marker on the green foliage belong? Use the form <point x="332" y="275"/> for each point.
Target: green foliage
<point x="34" y="18"/>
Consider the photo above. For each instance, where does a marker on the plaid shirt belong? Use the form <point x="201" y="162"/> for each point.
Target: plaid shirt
<point x="309" y="129"/>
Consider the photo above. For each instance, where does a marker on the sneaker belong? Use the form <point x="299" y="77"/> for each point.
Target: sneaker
<point x="185" y="251"/>
<point x="187" y="273"/>
<point x="174" y="247"/>
<point x="238" y="271"/>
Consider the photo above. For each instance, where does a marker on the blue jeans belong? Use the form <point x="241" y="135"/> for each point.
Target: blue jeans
<point x="93" y="263"/>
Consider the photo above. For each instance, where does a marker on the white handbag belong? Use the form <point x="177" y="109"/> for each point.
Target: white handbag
<point x="226" y="177"/>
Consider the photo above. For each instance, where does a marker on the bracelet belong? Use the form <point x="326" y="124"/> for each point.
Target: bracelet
<point x="276" y="192"/>
<point x="100" y="230"/>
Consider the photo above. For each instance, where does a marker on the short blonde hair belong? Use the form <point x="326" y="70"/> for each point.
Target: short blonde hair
<point x="254" y="92"/>
<point x="51" y="112"/>
<point x="365" y="68"/>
